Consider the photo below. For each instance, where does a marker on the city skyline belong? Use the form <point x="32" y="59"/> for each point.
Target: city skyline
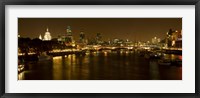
<point x="110" y="28"/>
<point x="100" y="49"/>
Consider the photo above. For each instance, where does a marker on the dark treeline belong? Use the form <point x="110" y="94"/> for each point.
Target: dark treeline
<point x="26" y="45"/>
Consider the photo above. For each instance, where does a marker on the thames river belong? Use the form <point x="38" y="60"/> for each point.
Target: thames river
<point x="106" y="65"/>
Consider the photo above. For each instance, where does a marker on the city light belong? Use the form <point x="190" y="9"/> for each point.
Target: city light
<point x="100" y="49"/>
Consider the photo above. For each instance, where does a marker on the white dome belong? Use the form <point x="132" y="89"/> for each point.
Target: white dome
<point x="47" y="35"/>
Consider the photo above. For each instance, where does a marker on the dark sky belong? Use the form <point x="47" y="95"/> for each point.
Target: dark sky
<point x="134" y="29"/>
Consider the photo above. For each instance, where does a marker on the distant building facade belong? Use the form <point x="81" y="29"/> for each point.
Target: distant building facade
<point x="174" y="39"/>
<point x="155" y="40"/>
<point x="69" y="37"/>
<point x="82" y="38"/>
<point x="47" y="36"/>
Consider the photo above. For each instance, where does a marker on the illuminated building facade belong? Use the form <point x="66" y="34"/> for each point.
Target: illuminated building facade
<point x="174" y="39"/>
<point x="69" y="38"/>
<point x="98" y="38"/>
<point x="47" y="35"/>
<point x="82" y="37"/>
<point x="155" y="40"/>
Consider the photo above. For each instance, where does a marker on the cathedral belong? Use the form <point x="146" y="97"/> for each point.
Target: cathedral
<point x="47" y="36"/>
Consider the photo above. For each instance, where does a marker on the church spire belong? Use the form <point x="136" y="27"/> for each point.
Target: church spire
<point x="40" y="37"/>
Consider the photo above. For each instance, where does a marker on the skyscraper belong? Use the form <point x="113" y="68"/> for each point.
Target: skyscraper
<point x="69" y="37"/>
<point x="98" y="38"/>
<point x="173" y="37"/>
<point x="82" y="37"/>
<point x="69" y="31"/>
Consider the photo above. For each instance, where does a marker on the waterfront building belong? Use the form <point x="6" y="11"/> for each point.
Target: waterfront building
<point x="178" y="42"/>
<point x="174" y="39"/>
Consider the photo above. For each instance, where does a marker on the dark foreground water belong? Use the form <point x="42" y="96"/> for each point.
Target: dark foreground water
<point x="101" y="66"/>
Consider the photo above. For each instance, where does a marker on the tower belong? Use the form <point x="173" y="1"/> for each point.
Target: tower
<point x="98" y="38"/>
<point x="82" y="37"/>
<point x="69" y="37"/>
<point x="40" y="37"/>
<point x="69" y="31"/>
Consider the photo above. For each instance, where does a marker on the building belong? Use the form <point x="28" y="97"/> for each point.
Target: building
<point x="174" y="39"/>
<point x="178" y="41"/>
<point x="115" y="41"/>
<point x="155" y="40"/>
<point x="69" y="41"/>
<point x="82" y="38"/>
<point x="69" y="37"/>
<point x="47" y="35"/>
<point x="128" y="43"/>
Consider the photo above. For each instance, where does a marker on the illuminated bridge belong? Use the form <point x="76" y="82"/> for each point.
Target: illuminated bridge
<point x="92" y="48"/>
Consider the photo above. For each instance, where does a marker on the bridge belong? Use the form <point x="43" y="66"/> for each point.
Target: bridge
<point x="63" y="53"/>
<point x="91" y="48"/>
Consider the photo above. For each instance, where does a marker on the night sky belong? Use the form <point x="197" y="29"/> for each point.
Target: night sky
<point x="134" y="29"/>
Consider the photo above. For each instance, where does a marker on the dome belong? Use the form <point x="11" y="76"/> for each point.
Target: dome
<point x="47" y="35"/>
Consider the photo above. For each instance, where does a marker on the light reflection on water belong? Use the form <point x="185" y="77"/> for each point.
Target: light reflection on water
<point x="154" y="70"/>
<point x="107" y="65"/>
<point x="171" y="56"/>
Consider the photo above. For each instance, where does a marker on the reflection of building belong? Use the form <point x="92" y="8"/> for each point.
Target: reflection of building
<point x="174" y="39"/>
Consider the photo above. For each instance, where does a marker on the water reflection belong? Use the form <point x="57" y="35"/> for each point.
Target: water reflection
<point x="154" y="70"/>
<point x="105" y="65"/>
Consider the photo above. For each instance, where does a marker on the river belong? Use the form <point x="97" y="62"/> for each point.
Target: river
<point x="124" y="65"/>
